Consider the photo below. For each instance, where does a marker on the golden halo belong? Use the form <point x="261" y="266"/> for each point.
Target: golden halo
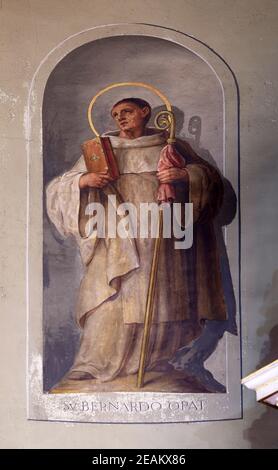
<point x="121" y="84"/>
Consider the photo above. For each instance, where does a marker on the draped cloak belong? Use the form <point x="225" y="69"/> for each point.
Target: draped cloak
<point x="112" y="295"/>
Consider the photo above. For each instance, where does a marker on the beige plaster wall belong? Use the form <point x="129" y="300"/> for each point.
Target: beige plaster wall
<point x="243" y="32"/>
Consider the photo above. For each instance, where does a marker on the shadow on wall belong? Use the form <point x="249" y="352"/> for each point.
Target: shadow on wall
<point x="263" y="431"/>
<point x="191" y="359"/>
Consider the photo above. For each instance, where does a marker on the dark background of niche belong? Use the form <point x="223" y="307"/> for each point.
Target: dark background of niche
<point x="193" y="90"/>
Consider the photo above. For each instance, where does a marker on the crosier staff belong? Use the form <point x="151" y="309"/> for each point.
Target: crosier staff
<point x="169" y="158"/>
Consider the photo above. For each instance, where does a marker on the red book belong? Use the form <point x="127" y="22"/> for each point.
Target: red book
<point x="99" y="156"/>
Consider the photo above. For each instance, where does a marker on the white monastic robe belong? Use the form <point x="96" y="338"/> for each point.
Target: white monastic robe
<point x="113" y="291"/>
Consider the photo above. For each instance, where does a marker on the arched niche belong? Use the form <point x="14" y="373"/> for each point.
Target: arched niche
<point x="198" y="82"/>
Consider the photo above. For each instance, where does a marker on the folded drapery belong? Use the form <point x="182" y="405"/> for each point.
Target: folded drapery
<point x="169" y="158"/>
